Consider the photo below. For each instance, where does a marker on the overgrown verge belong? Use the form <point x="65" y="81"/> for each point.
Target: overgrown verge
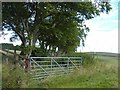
<point x="99" y="75"/>
<point x="92" y="74"/>
<point x="17" y="78"/>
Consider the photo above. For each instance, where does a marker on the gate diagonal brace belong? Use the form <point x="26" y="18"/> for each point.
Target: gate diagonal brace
<point x="59" y="65"/>
<point x="73" y="64"/>
<point x="40" y="66"/>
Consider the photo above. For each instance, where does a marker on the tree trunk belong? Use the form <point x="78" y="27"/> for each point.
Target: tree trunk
<point x="27" y="60"/>
<point x="32" y="45"/>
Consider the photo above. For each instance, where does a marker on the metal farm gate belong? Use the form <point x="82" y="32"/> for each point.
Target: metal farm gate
<point x="42" y="67"/>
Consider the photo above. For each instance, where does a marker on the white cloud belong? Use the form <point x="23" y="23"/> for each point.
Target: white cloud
<point x="6" y="39"/>
<point x="17" y="43"/>
<point x="101" y="42"/>
<point x="103" y="35"/>
<point x="115" y="21"/>
<point x="96" y="26"/>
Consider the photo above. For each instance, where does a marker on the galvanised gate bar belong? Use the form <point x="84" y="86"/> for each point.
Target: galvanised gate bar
<point x="42" y="67"/>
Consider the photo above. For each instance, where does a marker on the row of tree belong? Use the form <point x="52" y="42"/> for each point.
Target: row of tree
<point x="54" y="26"/>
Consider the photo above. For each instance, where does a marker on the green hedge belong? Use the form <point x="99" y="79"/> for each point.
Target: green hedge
<point x="86" y="58"/>
<point x="7" y="46"/>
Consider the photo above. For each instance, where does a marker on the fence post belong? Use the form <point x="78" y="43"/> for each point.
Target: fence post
<point x="15" y="57"/>
<point x="51" y="65"/>
<point x="7" y="57"/>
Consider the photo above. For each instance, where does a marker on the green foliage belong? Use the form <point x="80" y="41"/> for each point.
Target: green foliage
<point x="87" y="59"/>
<point x="53" y="24"/>
<point x="17" y="47"/>
<point x="39" y="52"/>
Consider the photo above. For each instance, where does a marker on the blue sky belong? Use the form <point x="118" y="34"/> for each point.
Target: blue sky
<point x="103" y="35"/>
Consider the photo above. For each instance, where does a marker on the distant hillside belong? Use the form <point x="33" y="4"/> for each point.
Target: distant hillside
<point x="6" y="46"/>
<point x="9" y="46"/>
<point x="104" y="54"/>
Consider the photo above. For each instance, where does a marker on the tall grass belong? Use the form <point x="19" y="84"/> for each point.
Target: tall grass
<point x="92" y="74"/>
<point x="0" y="76"/>
<point x="17" y="78"/>
<point x="12" y="77"/>
<point x="99" y="75"/>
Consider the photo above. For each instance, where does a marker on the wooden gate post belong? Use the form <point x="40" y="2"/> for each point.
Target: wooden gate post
<point x="7" y="58"/>
<point x="14" y="56"/>
<point x="27" y="64"/>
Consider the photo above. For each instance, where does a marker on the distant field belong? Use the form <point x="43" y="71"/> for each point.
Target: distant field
<point x="104" y="54"/>
<point x="111" y="58"/>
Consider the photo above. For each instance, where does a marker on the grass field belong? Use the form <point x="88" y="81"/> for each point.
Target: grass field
<point x="0" y="70"/>
<point x="0" y="77"/>
<point x="102" y="74"/>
